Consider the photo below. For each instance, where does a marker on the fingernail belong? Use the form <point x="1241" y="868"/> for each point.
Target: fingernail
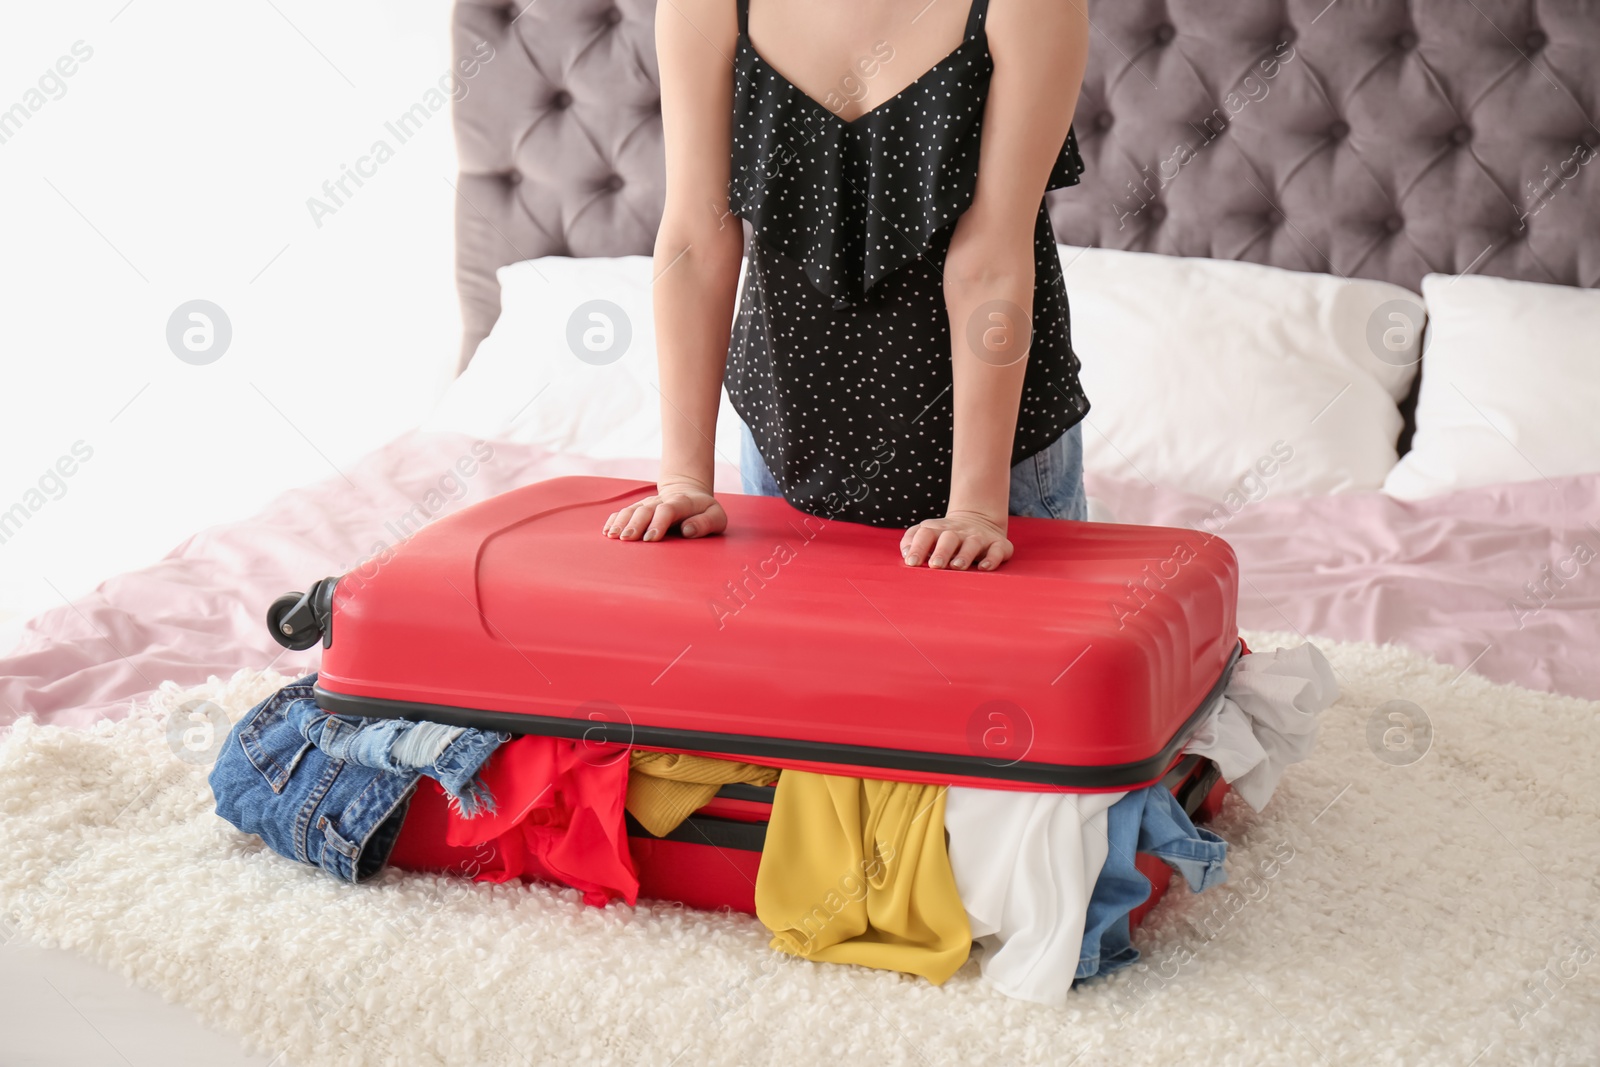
<point x="986" y="565"/>
<point x="649" y="535"/>
<point x="912" y="559"/>
<point x="936" y="562"/>
<point x="688" y="529"/>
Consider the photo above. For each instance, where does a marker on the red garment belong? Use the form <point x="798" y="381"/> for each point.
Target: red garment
<point x="558" y="817"/>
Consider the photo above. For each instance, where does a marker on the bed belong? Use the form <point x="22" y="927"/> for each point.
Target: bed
<point x="1309" y="182"/>
<point x="1352" y="142"/>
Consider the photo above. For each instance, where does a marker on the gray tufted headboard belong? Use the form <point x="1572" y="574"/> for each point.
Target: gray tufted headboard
<point x="1366" y="138"/>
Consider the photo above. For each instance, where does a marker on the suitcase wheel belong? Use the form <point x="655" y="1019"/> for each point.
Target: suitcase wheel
<point x="299" y="620"/>
<point x="293" y="629"/>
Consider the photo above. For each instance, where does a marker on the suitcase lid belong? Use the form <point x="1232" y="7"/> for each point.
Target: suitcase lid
<point x="1082" y="664"/>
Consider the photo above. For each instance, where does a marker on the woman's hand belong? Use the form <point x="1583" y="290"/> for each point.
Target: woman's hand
<point x="958" y="541"/>
<point x="689" y="506"/>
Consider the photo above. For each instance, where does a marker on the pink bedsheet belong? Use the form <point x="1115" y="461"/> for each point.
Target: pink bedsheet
<point x="1437" y="576"/>
<point x="1504" y="580"/>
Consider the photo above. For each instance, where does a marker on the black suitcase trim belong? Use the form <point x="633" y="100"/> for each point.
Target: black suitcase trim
<point x="709" y="830"/>
<point x="760" y="794"/>
<point x="1064" y="776"/>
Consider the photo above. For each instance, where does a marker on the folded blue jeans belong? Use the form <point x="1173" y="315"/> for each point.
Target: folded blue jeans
<point x="1046" y="485"/>
<point x="332" y="790"/>
<point x="1146" y="820"/>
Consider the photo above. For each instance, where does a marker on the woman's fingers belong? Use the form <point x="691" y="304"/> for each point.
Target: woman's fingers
<point x="997" y="554"/>
<point x="944" y="549"/>
<point x="653" y="518"/>
<point x="922" y="541"/>
<point x="638" y="517"/>
<point x="960" y="548"/>
<point x="661" y="518"/>
<point x="710" y="521"/>
<point x="623" y="521"/>
<point x="973" y="546"/>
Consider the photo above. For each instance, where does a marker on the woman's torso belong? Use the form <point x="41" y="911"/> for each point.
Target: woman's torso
<point x="840" y="355"/>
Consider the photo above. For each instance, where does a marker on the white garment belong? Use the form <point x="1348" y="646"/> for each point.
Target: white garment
<point x="1267" y="718"/>
<point x="1025" y="865"/>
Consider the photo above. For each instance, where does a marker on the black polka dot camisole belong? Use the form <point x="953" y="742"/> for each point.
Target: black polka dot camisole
<point x="840" y="357"/>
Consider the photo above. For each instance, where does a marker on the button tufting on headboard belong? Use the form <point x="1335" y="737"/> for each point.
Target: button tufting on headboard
<point x="1370" y="138"/>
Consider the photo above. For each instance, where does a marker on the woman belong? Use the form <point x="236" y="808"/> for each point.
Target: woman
<point x="902" y="354"/>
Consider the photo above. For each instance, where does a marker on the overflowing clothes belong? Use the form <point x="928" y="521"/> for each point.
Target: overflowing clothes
<point x="333" y="790"/>
<point x="665" y="788"/>
<point x="559" y="817"/>
<point x="855" y="871"/>
<point x="338" y="792"/>
<point x="1267" y="718"/>
<point x="1025" y="865"/>
<point x="1145" y="820"/>
<point x="1049" y="880"/>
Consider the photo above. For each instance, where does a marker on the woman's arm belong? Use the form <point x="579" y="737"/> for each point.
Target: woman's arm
<point x="1039" y="49"/>
<point x="697" y="253"/>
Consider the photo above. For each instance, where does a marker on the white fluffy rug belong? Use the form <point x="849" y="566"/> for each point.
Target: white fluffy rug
<point x="1381" y="910"/>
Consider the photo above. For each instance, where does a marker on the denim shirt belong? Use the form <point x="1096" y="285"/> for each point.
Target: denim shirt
<point x="332" y="790"/>
<point x="1146" y="820"/>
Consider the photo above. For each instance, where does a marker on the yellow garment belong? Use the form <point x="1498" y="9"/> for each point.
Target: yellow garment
<point x="665" y="788"/>
<point x="855" y="871"/>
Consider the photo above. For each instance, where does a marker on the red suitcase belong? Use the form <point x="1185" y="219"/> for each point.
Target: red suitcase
<point x="1083" y="664"/>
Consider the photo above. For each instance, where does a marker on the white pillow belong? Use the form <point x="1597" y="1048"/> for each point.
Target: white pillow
<point x="1510" y="386"/>
<point x="571" y="364"/>
<point x="1232" y="380"/>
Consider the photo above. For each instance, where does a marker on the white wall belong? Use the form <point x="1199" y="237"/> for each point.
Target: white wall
<point x="175" y="163"/>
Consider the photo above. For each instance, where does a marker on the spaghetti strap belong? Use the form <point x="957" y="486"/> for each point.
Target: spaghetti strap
<point x="744" y="16"/>
<point x="975" y="17"/>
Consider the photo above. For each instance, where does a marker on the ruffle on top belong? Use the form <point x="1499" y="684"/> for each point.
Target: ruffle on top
<point x="853" y="201"/>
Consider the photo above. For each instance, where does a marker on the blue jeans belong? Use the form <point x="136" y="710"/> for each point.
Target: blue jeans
<point x="332" y="790"/>
<point x="1146" y="820"/>
<point x="1046" y="485"/>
